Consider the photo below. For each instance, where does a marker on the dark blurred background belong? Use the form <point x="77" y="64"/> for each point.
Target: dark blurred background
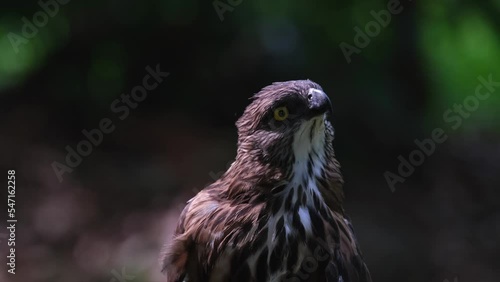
<point x="108" y="218"/>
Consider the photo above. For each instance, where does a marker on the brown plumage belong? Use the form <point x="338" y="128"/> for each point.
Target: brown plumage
<point x="276" y="214"/>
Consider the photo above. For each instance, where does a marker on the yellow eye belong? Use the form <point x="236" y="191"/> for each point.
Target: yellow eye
<point x="281" y="113"/>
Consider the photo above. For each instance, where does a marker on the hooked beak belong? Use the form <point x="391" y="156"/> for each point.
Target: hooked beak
<point x="319" y="103"/>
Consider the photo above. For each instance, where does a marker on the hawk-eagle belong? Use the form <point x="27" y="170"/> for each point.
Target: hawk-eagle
<point x="276" y="214"/>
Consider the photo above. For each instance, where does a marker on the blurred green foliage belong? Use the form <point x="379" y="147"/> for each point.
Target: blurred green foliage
<point x="457" y="40"/>
<point x="15" y="67"/>
<point x="458" y="46"/>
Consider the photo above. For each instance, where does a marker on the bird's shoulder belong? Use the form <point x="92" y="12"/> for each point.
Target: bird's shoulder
<point x="209" y="224"/>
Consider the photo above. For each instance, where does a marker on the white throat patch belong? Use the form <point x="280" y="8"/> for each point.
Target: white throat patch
<point x="310" y="137"/>
<point x="308" y="147"/>
<point x="309" y="152"/>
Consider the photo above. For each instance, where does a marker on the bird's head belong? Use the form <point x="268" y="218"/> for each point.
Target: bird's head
<point x="286" y="125"/>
